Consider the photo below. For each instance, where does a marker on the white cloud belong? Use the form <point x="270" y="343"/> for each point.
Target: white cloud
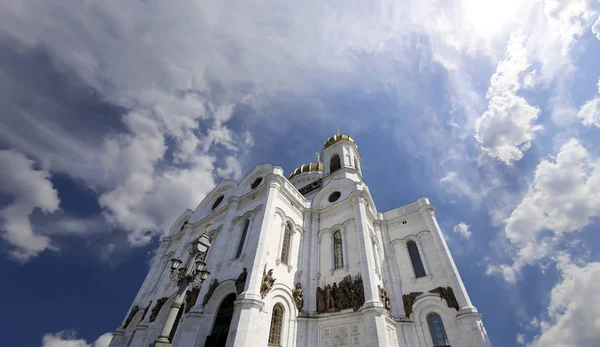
<point x="589" y="113"/>
<point x="179" y="83"/>
<point x="29" y="189"/>
<point x="574" y="308"/>
<point x="232" y="168"/>
<point x="562" y="198"/>
<point x="506" y="129"/>
<point x="462" y="229"/>
<point x="596" y="28"/>
<point x="521" y="339"/>
<point x="69" y="339"/>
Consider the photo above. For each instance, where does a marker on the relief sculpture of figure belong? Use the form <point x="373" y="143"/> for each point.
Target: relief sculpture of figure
<point x="134" y="310"/>
<point x="335" y="295"/>
<point x="384" y="297"/>
<point x="267" y="282"/>
<point x="211" y="289"/>
<point x="345" y="294"/>
<point x="448" y="295"/>
<point x="320" y="300"/>
<point x="159" y="304"/>
<point x="386" y="300"/>
<point x="409" y="300"/>
<point x="359" y="293"/>
<point x="329" y="299"/>
<point x="298" y="294"/>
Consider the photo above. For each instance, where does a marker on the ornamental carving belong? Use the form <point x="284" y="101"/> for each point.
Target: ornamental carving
<point x="385" y="299"/>
<point x="298" y="294"/>
<point x="348" y="294"/>
<point x="211" y="289"/>
<point x="134" y="310"/>
<point x="409" y="301"/>
<point x="448" y="295"/>
<point x="159" y="304"/>
<point x="267" y="282"/>
<point x="240" y="282"/>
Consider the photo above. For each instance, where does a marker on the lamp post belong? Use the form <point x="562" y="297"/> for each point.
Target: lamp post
<point x="193" y="272"/>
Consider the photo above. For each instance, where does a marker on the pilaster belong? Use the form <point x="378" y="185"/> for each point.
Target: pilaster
<point x="427" y="211"/>
<point x="249" y="303"/>
<point x="367" y="257"/>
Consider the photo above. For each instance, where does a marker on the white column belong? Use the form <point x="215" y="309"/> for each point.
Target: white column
<point x="427" y="211"/>
<point x="314" y="263"/>
<point x="367" y="256"/>
<point x="163" y="338"/>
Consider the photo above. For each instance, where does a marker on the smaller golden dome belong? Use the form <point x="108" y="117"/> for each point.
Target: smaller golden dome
<point x="307" y="168"/>
<point x="336" y="138"/>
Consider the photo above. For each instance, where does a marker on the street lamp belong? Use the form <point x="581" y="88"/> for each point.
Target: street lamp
<point x="193" y="272"/>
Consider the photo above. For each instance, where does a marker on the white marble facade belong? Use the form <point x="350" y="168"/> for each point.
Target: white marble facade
<point x="374" y="246"/>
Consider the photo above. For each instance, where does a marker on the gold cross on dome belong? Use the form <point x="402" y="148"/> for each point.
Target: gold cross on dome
<point x="338" y="130"/>
<point x="318" y="157"/>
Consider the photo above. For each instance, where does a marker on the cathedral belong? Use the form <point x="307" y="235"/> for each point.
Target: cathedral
<point x="303" y="261"/>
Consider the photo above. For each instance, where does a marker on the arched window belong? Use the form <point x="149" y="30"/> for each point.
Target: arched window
<point x="217" y="202"/>
<point x="276" y="323"/>
<point x="285" y="247"/>
<point x="256" y="183"/>
<point x="242" y="239"/>
<point x="415" y="258"/>
<point x="334" y="163"/>
<point x="436" y="328"/>
<point x="338" y="252"/>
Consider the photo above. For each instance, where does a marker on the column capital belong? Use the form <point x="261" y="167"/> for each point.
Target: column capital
<point x="427" y="210"/>
<point x="358" y="198"/>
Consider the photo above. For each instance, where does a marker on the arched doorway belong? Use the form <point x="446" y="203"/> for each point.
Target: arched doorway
<point x="218" y="336"/>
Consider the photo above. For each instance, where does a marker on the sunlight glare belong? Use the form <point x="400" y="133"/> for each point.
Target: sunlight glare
<point x="491" y="17"/>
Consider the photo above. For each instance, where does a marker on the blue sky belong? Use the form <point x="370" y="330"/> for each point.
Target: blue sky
<point x="116" y="116"/>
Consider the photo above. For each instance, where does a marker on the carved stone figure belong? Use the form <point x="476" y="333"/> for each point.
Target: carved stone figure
<point x="134" y="310"/>
<point x="335" y="295"/>
<point x="359" y="293"/>
<point x="267" y="282"/>
<point x="387" y="303"/>
<point x="191" y="296"/>
<point x="159" y="304"/>
<point x="298" y="294"/>
<point x="320" y="300"/>
<point x="345" y="289"/>
<point x="240" y="282"/>
<point x="409" y="300"/>
<point x="385" y="299"/>
<point x="329" y="304"/>
<point x="448" y="295"/>
<point x="334" y="298"/>
<point x="211" y="289"/>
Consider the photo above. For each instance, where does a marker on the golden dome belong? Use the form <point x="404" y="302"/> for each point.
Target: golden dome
<point x="336" y="138"/>
<point x="307" y="168"/>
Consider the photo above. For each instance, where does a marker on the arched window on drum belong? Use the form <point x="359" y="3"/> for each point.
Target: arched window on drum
<point x="436" y="328"/>
<point x="338" y="250"/>
<point x="415" y="259"/>
<point x="285" y="246"/>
